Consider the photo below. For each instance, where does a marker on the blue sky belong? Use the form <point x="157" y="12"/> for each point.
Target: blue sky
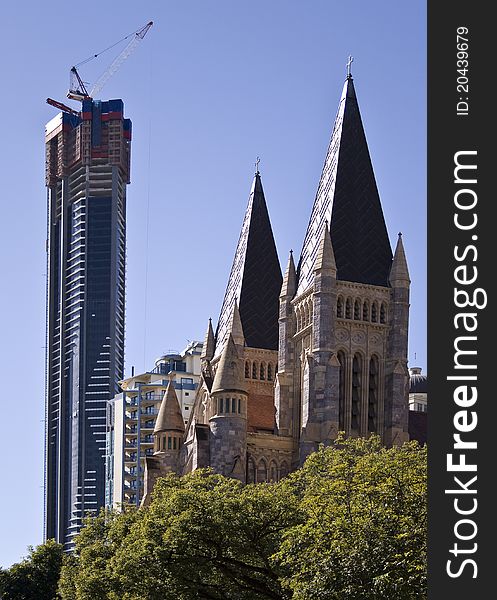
<point x="214" y="84"/>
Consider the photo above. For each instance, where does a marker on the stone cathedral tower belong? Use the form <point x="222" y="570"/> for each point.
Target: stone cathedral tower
<point x="296" y="360"/>
<point x="344" y="311"/>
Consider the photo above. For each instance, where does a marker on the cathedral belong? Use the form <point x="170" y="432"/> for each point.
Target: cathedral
<point x="298" y="358"/>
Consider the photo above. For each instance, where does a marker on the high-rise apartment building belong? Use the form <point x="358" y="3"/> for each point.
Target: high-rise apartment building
<point x="87" y="170"/>
<point x="132" y="417"/>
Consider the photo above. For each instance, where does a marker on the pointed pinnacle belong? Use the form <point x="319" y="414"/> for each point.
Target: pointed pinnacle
<point x="236" y="328"/>
<point x="209" y="343"/>
<point x="325" y="258"/>
<point x="289" y="285"/>
<point x="399" y="273"/>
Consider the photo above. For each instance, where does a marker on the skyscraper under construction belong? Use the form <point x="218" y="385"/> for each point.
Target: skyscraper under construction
<point x="87" y="170"/>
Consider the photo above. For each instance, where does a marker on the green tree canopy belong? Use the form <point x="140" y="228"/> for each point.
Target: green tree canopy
<point x="364" y="536"/>
<point x="35" y="577"/>
<point x="202" y="536"/>
<point x="350" y="524"/>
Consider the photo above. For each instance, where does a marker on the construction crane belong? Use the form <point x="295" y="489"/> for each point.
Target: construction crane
<point x="62" y="107"/>
<point x="77" y="88"/>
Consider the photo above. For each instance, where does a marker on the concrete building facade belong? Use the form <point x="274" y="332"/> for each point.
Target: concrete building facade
<point x="132" y="416"/>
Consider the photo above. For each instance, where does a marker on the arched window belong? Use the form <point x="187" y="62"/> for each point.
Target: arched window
<point x="247" y="369"/>
<point x="373" y="394"/>
<point x="341" y="391"/>
<point x="233" y="405"/>
<point x="355" y="421"/>
<point x="374" y="312"/>
<point x="262" y="372"/>
<point x="273" y="471"/>
<point x="383" y="313"/>
<point x="261" y="471"/>
<point x="357" y="310"/>
<point x="365" y="311"/>
<point x="348" y="309"/>
<point x="221" y="406"/>
<point x="340" y="307"/>
<point x="254" y="370"/>
<point x="269" y="372"/>
<point x="250" y="470"/>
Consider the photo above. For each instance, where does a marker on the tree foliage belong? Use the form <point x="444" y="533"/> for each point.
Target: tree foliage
<point x="349" y="524"/>
<point x="35" y="577"/>
<point x="364" y="536"/>
<point x="203" y="536"/>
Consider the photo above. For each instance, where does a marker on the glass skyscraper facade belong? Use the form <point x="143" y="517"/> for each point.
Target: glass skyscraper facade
<point x="87" y="170"/>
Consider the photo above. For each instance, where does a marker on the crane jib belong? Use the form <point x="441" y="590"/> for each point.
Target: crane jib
<point x="78" y="89"/>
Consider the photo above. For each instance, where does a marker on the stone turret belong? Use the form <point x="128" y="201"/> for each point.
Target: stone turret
<point x="324" y="297"/>
<point x="169" y="430"/>
<point x="321" y="366"/>
<point x="397" y="374"/>
<point x="227" y="415"/>
<point x="287" y="293"/>
<point x="286" y="352"/>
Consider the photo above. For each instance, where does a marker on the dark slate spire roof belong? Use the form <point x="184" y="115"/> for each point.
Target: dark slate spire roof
<point x="255" y="279"/>
<point x="348" y="199"/>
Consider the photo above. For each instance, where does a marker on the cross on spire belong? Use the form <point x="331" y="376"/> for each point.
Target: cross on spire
<point x="349" y="64"/>
<point x="258" y="160"/>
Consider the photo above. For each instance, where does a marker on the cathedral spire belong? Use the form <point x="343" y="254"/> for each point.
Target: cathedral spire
<point x="255" y="279"/>
<point x="399" y="273"/>
<point x="209" y="343"/>
<point x="347" y="197"/>
<point x="289" y="279"/>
